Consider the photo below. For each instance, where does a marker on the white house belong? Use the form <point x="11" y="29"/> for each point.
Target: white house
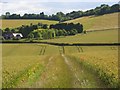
<point x="17" y="35"/>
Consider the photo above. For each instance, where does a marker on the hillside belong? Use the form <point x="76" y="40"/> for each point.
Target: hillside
<point x="98" y="22"/>
<point x="89" y="22"/>
<point x="19" y="22"/>
<point x="107" y="36"/>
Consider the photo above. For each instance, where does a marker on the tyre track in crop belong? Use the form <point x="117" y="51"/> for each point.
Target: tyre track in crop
<point x="62" y="49"/>
<point x="76" y="78"/>
<point x="80" y="49"/>
<point x="65" y="72"/>
<point x="42" y="51"/>
<point x="42" y="81"/>
<point x="56" y="74"/>
<point x="45" y="62"/>
<point x="113" y="48"/>
<point x="82" y="77"/>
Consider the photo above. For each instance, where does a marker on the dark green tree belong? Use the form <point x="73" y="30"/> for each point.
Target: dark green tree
<point x="115" y="8"/>
<point x="31" y="36"/>
<point x="45" y="26"/>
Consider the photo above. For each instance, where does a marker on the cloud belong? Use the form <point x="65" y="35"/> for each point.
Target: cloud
<point x="61" y="0"/>
<point x="23" y="7"/>
<point x="49" y="7"/>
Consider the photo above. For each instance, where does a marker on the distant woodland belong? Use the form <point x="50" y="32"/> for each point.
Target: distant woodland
<point x="60" y="16"/>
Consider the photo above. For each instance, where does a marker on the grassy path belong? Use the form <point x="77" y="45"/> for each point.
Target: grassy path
<point x="65" y="72"/>
<point x="56" y="71"/>
<point x="56" y="74"/>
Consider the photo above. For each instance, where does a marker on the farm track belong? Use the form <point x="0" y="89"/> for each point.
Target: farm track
<point x="56" y="74"/>
<point x="82" y="77"/>
<point x="65" y="72"/>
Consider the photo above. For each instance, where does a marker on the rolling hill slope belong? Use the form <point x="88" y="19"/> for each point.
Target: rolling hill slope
<point x="89" y="22"/>
<point x="108" y="36"/>
<point x="98" y="22"/>
<point x="107" y="21"/>
<point x="20" y="22"/>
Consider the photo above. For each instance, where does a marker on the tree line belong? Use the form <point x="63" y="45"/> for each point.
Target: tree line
<point x="43" y="31"/>
<point x="60" y="16"/>
<point x="68" y="27"/>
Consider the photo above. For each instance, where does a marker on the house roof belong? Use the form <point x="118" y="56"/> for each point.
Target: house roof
<point x="15" y="34"/>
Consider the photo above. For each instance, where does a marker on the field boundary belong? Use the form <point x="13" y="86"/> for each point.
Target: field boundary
<point x="65" y="44"/>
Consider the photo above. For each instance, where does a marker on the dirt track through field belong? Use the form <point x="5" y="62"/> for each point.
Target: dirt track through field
<point x="64" y="72"/>
<point x="82" y="77"/>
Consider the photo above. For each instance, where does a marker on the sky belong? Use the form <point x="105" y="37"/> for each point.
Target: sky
<point x="49" y="6"/>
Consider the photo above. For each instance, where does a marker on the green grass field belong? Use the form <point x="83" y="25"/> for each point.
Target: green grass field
<point x="110" y="36"/>
<point x="47" y="66"/>
<point x="98" y="22"/>
<point x="20" y="22"/>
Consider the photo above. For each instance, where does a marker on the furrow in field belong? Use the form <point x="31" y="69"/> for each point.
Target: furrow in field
<point x="42" y="81"/>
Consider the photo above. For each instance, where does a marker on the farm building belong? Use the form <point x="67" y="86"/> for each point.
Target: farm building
<point x="10" y="35"/>
<point x="7" y="35"/>
<point x="17" y="35"/>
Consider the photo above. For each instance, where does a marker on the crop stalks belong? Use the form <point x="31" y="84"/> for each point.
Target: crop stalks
<point x="108" y="79"/>
<point x="29" y="75"/>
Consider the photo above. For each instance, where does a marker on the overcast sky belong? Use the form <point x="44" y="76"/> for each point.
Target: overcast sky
<point x="49" y="6"/>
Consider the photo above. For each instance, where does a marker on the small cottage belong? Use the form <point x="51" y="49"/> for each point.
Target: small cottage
<point x="7" y="35"/>
<point x="10" y="35"/>
<point x="17" y="35"/>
